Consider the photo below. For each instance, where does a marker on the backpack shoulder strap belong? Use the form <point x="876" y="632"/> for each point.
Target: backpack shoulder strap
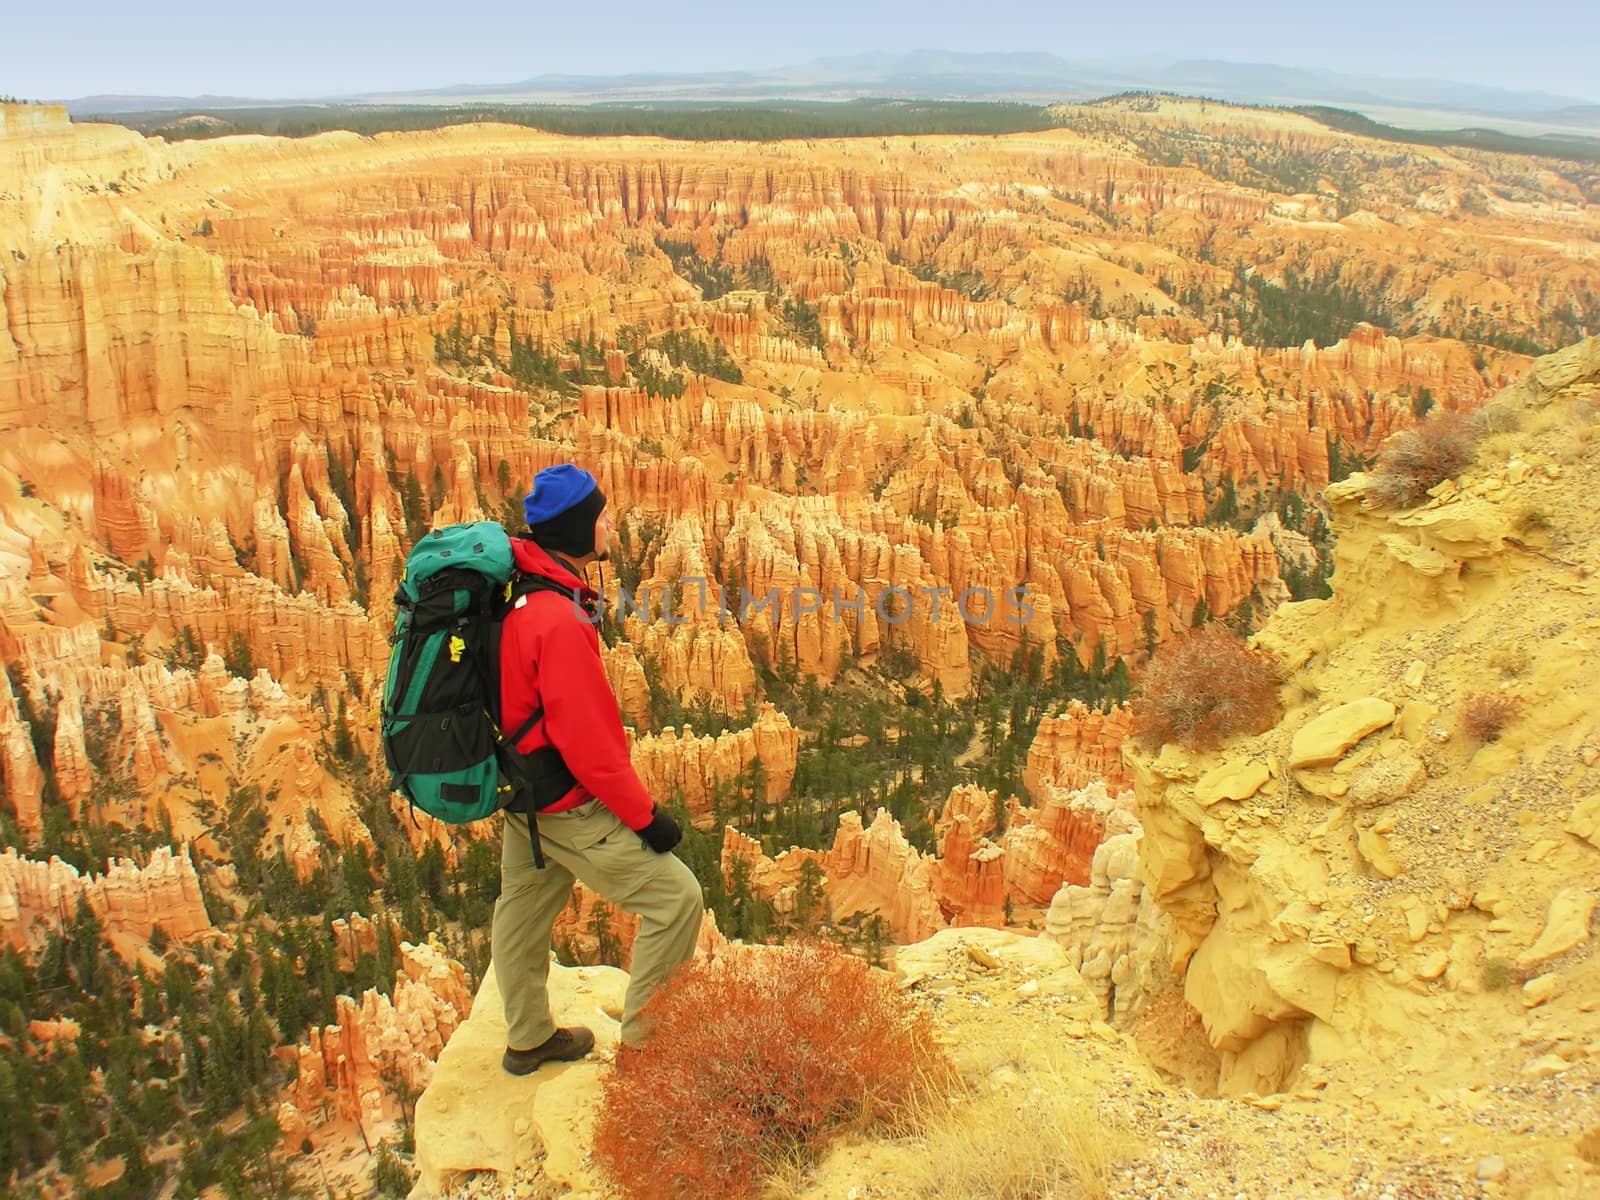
<point x="521" y="731"/>
<point x="521" y="585"/>
<point x="543" y="777"/>
<point x="526" y="585"/>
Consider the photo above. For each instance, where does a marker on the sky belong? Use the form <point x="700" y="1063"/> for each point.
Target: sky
<point x="289" y="48"/>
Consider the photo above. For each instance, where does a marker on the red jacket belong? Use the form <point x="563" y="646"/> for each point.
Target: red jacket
<point x="550" y="655"/>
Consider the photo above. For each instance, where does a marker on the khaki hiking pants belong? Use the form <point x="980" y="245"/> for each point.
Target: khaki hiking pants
<point x="592" y="844"/>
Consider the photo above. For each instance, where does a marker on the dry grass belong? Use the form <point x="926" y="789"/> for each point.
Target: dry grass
<point x="1485" y="716"/>
<point x="1205" y="687"/>
<point x="1496" y="417"/>
<point x="1410" y="463"/>
<point x="1533" y="519"/>
<point x="1511" y="659"/>
<point x="1043" y="1137"/>
<point x="1589" y="1146"/>
<point x="1305" y="685"/>
<point x="787" y="1175"/>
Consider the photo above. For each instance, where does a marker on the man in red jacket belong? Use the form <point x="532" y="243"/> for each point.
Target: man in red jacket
<point x="605" y="830"/>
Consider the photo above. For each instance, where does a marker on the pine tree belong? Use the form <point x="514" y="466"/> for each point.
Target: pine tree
<point x="344" y="747"/>
<point x="355" y="875"/>
<point x="1119" y="683"/>
<point x="750" y="917"/>
<point x="810" y="900"/>
<point x="608" y="946"/>
<point x="388" y="958"/>
<point x="415" y="508"/>
<point x="874" y="937"/>
<point x="127" y="1143"/>
<point x="84" y="948"/>
<point x="390" y="1179"/>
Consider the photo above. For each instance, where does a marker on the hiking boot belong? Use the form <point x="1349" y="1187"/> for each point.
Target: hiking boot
<point x="564" y="1045"/>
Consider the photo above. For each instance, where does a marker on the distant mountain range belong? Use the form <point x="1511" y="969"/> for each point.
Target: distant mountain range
<point x="952" y="75"/>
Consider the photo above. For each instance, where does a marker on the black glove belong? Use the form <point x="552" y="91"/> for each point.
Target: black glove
<point x="662" y="834"/>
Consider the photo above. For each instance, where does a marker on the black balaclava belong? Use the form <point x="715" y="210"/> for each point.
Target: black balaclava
<point x="570" y="532"/>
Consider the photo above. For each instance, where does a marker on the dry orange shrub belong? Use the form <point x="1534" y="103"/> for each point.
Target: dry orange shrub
<point x="1204" y="687"/>
<point x="754" y="1058"/>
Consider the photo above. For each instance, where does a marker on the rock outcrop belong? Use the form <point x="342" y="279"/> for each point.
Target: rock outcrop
<point x="24" y="781"/>
<point x="1340" y="887"/>
<point x="128" y="899"/>
<point x="1056" y="842"/>
<point x="874" y="868"/>
<point x="1024" y="1031"/>
<point x="380" y="1044"/>
<point x="868" y="869"/>
<point x="1076" y="748"/>
<point x="474" y="1117"/>
<point x="1114" y="935"/>
<point x="969" y="877"/>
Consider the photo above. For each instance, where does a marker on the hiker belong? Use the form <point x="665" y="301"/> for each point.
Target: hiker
<point x="606" y="830"/>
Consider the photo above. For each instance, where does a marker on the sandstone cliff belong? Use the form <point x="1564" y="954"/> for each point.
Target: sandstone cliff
<point x="1028" y="1037"/>
<point x="1376" y="872"/>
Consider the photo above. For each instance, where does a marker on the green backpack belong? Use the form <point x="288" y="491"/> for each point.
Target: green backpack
<point x="442" y="738"/>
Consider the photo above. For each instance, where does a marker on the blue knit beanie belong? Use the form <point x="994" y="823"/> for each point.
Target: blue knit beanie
<point x="562" y="508"/>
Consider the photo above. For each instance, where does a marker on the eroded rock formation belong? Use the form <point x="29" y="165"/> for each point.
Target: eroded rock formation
<point x="24" y="780"/>
<point x="1113" y="934"/>
<point x="1056" y="842"/>
<point x="694" y="768"/>
<point x="381" y="1044"/>
<point x="228" y="414"/>
<point x="127" y="899"/>
<point x="328" y="380"/>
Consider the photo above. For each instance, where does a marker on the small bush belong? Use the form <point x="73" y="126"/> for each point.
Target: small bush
<point x="1511" y="659"/>
<point x="1498" y="416"/>
<point x="755" y="1057"/>
<point x="1205" y="687"/>
<point x="1306" y="686"/>
<point x="1533" y="519"/>
<point x="1485" y="716"/>
<point x="1496" y="974"/>
<point x="1436" y="449"/>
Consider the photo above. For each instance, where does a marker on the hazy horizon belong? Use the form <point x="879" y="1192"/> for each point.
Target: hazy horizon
<point x="301" y="50"/>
